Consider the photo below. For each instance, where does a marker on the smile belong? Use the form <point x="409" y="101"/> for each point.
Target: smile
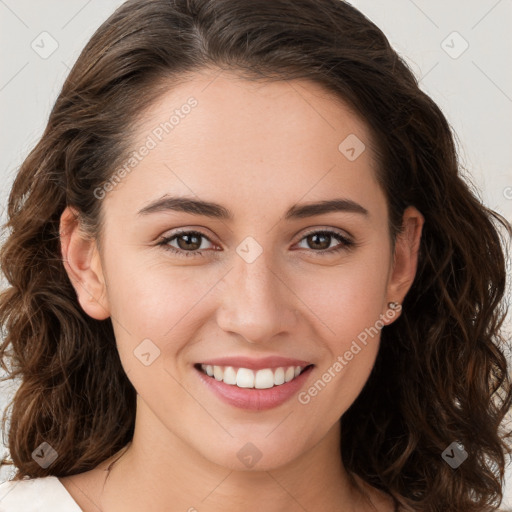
<point x="254" y="383"/>
<point x="264" y="378"/>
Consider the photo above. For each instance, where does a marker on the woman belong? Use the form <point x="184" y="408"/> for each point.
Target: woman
<point x="246" y="274"/>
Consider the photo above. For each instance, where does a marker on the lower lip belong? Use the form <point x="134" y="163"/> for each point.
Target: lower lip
<point x="255" y="399"/>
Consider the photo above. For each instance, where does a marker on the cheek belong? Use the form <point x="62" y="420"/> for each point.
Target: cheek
<point x="151" y="298"/>
<point x="151" y="305"/>
<point x="350" y="352"/>
<point x="346" y="307"/>
<point x="347" y="298"/>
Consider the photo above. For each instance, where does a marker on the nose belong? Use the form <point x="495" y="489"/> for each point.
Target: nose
<point x="258" y="302"/>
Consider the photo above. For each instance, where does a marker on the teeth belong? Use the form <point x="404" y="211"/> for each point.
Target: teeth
<point x="264" y="379"/>
<point x="218" y="373"/>
<point x="279" y="376"/>
<point x="247" y="378"/>
<point x="230" y="375"/>
<point x="290" y="374"/>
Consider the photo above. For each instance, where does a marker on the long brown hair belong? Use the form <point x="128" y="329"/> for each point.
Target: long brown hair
<point x="441" y="374"/>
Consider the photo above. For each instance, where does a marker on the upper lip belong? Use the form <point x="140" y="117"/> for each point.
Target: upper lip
<point x="256" y="363"/>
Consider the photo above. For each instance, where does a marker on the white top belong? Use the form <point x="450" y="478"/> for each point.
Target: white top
<point x="45" y="494"/>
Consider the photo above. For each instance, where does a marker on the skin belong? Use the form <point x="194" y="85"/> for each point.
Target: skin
<point x="257" y="149"/>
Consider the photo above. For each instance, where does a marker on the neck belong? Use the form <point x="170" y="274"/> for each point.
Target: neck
<point x="150" y="475"/>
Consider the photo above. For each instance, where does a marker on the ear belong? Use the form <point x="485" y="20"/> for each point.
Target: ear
<point x="82" y="262"/>
<point x="405" y="261"/>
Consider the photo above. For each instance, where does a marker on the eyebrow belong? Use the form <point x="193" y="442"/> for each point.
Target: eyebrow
<point x="217" y="211"/>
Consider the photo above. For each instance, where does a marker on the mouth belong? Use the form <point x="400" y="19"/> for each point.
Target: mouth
<point x="253" y="385"/>
<point x="247" y="378"/>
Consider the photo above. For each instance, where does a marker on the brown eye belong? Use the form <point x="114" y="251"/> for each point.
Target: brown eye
<point x="320" y="241"/>
<point x="188" y="243"/>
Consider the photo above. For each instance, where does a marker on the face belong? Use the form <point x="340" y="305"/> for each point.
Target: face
<point x="258" y="281"/>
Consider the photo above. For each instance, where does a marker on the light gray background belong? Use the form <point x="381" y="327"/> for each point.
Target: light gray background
<point x="472" y="85"/>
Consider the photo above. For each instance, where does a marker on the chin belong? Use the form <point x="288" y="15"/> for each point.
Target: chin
<point x="255" y="453"/>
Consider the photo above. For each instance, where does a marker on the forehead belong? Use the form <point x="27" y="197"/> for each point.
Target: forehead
<point x="222" y="133"/>
<point x="226" y="102"/>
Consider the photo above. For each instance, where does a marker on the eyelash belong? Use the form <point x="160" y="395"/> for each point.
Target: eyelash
<point x="345" y="243"/>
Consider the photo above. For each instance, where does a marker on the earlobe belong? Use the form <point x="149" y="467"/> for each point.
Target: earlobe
<point x="405" y="261"/>
<point x="82" y="263"/>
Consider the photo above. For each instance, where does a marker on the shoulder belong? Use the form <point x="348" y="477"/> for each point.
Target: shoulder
<point x="43" y="494"/>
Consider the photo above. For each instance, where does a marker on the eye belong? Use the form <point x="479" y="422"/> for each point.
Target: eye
<point x="189" y="243"/>
<point x="322" y="240"/>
